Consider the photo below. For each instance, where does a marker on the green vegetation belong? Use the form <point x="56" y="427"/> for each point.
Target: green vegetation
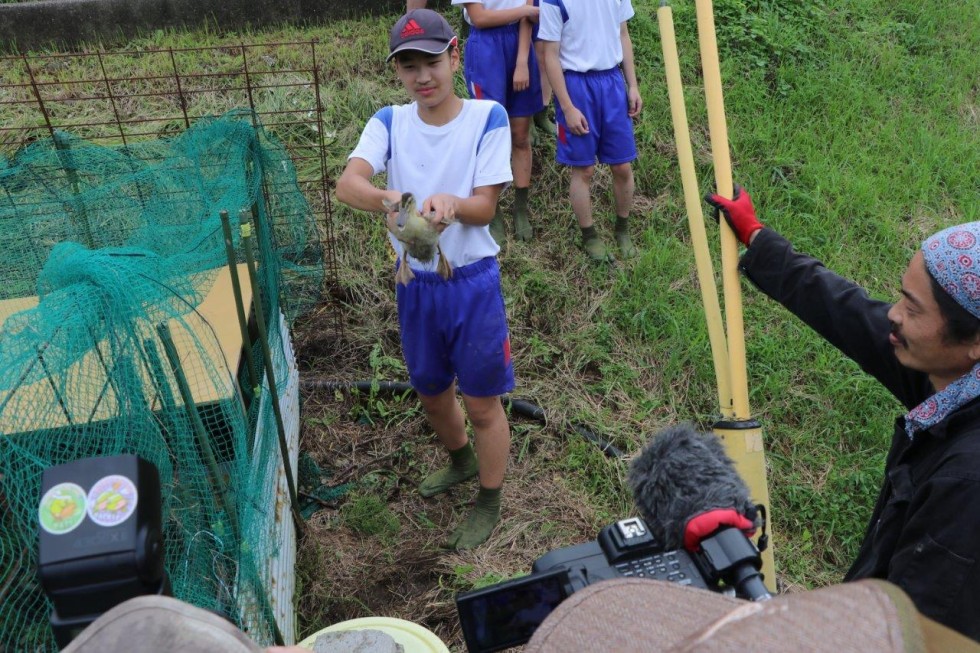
<point x="856" y="127"/>
<point x="369" y="515"/>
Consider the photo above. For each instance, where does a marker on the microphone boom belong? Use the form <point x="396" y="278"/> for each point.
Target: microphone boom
<point x="686" y="488"/>
<point x="680" y="474"/>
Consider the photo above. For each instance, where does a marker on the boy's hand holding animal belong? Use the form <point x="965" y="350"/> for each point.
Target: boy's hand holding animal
<point x="420" y="234"/>
<point x="440" y="209"/>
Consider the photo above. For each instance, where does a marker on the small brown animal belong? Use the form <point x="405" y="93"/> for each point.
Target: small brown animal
<point x="419" y="237"/>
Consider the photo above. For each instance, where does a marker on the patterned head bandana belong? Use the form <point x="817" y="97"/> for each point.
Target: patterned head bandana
<point x="953" y="259"/>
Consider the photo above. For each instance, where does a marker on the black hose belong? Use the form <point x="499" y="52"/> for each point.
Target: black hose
<point x="519" y="406"/>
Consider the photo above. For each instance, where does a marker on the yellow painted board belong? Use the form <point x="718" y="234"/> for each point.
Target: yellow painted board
<point x="214" y="324"/>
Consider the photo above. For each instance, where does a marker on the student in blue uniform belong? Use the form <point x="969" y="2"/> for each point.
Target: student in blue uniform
<point x="500" y="64"/>
<point x="542" y="120"/>
<point x="453" y="155"/>
<point x="589" y="59"/>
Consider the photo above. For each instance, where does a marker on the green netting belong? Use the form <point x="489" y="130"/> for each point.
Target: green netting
<point x="314" y="484"/>
<point x="107" y="255"/>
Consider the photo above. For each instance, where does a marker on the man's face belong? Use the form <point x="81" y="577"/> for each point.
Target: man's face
<point x="919" y="331"/>
<point x="428" y="77"/>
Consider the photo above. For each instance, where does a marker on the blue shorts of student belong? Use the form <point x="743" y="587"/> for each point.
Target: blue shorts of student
<point x="456" y="329"/>
<point x="488" y="66"/>
<point x="602" y="97"/>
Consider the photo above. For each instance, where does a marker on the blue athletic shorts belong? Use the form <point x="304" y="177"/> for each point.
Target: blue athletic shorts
<point x="456" y="328"/>
<point x="488" y="66"/>
<point x="601" y="96"/>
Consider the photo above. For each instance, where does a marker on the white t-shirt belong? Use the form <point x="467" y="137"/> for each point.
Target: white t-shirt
<point x="470" y="151"/>
<point x="588" y="31"/>
<point x="492" y="5"/>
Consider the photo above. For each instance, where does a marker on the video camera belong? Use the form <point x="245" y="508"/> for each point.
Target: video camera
<point x="100" y="538"/>
<point x="500" y="616"/>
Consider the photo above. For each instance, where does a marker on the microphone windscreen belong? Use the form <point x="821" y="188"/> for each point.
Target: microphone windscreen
<point x="680" y="474"/>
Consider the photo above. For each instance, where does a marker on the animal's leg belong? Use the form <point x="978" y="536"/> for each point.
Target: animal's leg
<point x="400" y="272"/>
<point x="404" y="274"/>
<point x="445" y="268"/>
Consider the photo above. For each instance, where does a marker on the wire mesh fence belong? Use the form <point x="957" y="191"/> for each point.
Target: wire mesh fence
<point x="114" y="167"/>
<point x="124" y="97"/>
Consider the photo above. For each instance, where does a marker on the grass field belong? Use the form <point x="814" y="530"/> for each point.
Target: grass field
<point x="856" y="127"/>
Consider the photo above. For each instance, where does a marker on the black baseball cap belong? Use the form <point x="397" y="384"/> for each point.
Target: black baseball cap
<point x="423" y="30"/>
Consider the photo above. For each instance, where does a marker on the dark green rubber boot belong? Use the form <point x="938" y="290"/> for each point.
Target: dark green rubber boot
<point x="479" y="524"/>
<point x="497" y="229"/>
<point x="623" y="239"/>
<point x="462" y="467"/>
<point x="522" y="226"/>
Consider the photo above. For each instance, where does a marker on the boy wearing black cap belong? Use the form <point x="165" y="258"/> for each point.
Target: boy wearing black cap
<point x="453" y="155"/>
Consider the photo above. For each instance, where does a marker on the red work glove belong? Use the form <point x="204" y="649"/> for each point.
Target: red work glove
<point x="739" y="213"/>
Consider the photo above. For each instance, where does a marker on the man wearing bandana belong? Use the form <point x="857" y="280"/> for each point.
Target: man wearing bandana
<point x="924" y="534"/>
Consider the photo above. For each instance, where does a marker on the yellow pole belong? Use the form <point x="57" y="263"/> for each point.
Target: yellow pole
<point x="695" y="217"/>
<point x="743" y="435"/>
<point x="723" y="182"/>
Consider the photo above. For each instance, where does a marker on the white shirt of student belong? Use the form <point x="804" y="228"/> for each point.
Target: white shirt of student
<point x="492" y="5"/>
<point x="471" y="150"/>
<point x="588" y="31"/>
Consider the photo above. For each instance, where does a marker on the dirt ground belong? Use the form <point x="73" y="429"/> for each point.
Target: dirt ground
<point x="348" y="569"/>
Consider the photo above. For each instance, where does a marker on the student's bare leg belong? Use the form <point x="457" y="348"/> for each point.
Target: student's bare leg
<point x="541" y="119"/>
<point x="520" y="159"/>
<point x="545" y="82"/>
<point x="623" y="188"/>
<point x="446" y="418"/>
<point x="580" y="195"/>
<point x="415" y="4"/>
<point x="492" y="434"/>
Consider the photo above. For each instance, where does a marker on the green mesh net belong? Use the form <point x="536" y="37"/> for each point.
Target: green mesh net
<point x="118" y="336"/>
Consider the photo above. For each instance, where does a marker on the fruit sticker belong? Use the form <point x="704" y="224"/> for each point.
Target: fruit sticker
<point x="62" y="508"/>
<point x="111" y="500"/>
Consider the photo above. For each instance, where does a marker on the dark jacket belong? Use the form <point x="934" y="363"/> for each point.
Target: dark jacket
<point x="924" y="534"/>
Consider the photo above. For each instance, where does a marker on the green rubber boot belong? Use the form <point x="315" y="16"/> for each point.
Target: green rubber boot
<point x="479" y="524"/>
<point x="522" y="226"/>
<point x="596" y="249"/>
<point x="625" y="242"/>
<point x="462" y="467"/>
<point x="545" y="123"/>
<point x="622" y="234"/>
<point x="497" y="230"/>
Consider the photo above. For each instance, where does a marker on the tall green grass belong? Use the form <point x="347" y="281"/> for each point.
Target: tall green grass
<point x="854" y="125"/>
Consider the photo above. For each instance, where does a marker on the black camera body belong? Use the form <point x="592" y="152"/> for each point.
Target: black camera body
<point x="506" y="614"/>
<point x="623" y="549"/>
<point x="100" y="538"/>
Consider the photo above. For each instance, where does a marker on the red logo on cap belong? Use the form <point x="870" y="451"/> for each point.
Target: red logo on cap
<point x="411" y="29"/>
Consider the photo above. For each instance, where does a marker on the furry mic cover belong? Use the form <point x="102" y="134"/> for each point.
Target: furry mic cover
<point x="680" y="474"/>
